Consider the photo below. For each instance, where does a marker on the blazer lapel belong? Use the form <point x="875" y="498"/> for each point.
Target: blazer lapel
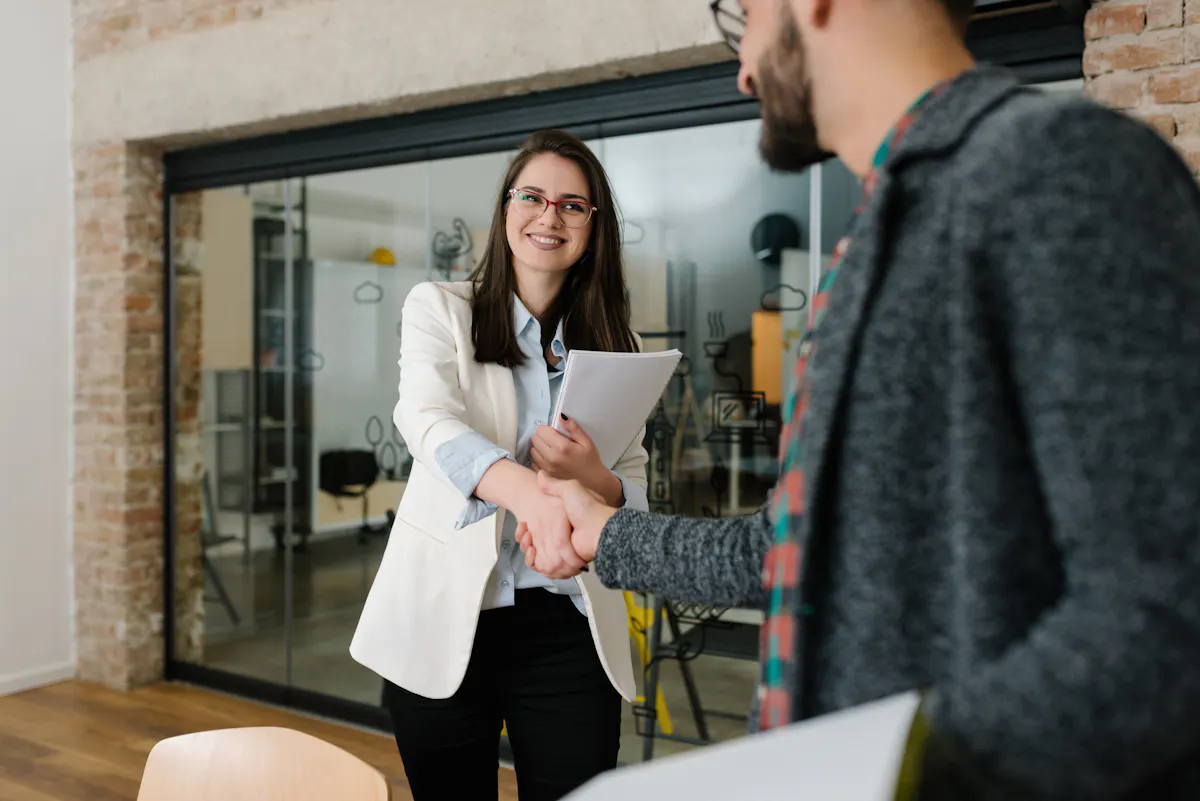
<point x="504" y="398"/>
<point x="944" y="122"/>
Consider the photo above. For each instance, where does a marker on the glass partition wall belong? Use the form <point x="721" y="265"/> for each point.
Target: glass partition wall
<point x="288" y="467"/>
<point x="284" y="468"/>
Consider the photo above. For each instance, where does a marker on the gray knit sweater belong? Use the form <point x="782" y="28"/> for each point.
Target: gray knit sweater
<point x="1004" y="458"/>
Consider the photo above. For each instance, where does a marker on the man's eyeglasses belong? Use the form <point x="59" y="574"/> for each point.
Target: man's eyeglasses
<point x="531" y="205"/>
<point x="731" y="21"/>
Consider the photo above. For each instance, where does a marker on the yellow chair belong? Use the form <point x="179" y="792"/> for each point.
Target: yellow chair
<point x="639" y="625"/>
<point x="255" y="763"/>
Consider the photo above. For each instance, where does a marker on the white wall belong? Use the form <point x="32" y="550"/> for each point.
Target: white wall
<point x="36" y="289"/>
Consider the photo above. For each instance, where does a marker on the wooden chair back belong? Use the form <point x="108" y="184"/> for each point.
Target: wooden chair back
<point x="257" y="764"/>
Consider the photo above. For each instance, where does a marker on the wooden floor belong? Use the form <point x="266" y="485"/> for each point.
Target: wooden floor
<point x="79" y="742"/>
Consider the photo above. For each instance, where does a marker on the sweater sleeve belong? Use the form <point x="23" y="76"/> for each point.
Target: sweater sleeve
<point x="696" y="560"/>
<point x="1093" y="272"/>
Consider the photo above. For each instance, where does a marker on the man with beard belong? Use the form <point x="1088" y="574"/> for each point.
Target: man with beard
<point x="990" y="476"/>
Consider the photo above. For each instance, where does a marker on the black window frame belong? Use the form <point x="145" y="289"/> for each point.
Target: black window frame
<point x="1040" y="45"/>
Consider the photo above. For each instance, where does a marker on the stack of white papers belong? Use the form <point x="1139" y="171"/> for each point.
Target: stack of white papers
<point x="611" y="395"/>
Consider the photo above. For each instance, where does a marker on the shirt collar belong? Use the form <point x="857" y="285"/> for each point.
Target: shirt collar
<point x="523" y="320"/>
<point x="521" y="316"/>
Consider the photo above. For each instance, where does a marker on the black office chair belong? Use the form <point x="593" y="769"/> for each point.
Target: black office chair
<point x="350" y="474"/>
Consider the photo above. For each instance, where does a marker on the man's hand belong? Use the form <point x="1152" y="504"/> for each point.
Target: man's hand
<point x="587" y="514"/>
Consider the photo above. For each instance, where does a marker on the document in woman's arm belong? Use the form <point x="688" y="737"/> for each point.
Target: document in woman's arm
<point x="611" y="395"/>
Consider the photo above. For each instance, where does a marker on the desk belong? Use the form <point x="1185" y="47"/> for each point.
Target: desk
<point x="341" y="513"/>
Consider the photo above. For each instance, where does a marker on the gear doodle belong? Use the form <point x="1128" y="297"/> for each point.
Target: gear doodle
<point x="447" y="248"/>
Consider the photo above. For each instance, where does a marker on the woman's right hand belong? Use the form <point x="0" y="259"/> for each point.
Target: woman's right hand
<point x="549" y="550"/>
<point x="515" y="488"/>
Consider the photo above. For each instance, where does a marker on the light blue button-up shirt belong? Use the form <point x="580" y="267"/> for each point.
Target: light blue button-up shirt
<point x="468" y="456"/>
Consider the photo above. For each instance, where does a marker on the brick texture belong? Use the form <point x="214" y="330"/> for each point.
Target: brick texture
<point x="1105" y="21"/>
<point x="119" y="421"/>
<point x="118" y="414"/>
<point x="1164" y="14"/>
<point x="1128" y="53"/>
<point x="186" y="240"/>
<point x="1145" y="59"/>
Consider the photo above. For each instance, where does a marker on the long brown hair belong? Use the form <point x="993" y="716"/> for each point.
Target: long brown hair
<point x="593" y="303"/>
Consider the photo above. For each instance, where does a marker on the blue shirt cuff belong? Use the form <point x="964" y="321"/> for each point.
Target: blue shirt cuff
<point x="635" y="495"/>
<point x="474" y="510"/>
<point x="464" y="460"/>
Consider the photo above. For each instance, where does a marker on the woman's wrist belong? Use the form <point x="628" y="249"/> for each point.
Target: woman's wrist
<point x="608" y="486"/>
<point x="526" y="495"/>
<point x="511" y="486"/>
<point x="617" y="498"/>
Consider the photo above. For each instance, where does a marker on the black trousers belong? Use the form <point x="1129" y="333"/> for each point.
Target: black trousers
<point x="533" y="667"/>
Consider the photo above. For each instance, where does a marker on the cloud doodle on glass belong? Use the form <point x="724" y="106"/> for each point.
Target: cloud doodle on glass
<point x="309" y="361"/>
<point x="368" y="293"/>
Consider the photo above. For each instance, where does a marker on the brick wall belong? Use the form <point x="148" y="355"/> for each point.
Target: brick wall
<point x="1144" y="58"/>
<point x="119" y="420"/>
<point x="118" y="413"/>
<point x="152" y="74"/>
<point x="187" y="238"/>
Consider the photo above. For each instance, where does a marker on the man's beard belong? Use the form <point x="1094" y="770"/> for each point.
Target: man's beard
<point x="784" y="88"/>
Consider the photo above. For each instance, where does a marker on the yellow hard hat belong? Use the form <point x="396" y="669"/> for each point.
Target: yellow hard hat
<point x="384" y="257"/>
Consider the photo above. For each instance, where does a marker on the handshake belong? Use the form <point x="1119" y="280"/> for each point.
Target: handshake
<point x="559" y="530"/>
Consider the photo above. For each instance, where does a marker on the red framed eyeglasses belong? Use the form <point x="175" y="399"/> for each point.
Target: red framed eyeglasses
<point x="573" y="213"/>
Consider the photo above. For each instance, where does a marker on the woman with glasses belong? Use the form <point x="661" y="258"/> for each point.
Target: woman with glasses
<point x="465" y="634"/>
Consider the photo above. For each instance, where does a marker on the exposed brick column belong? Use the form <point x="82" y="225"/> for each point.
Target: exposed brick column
<point x="1144" y="58"/>
<point x="187" y="238"/>
<point x="118" y="414"/>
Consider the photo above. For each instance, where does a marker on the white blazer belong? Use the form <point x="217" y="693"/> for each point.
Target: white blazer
<point x="418" y="624"/>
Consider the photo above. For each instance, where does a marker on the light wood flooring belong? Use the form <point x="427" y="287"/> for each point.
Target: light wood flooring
<point x="80" y="742"/>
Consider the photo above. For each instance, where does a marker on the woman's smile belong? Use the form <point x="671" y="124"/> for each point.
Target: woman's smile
<point x="546" y="241"/>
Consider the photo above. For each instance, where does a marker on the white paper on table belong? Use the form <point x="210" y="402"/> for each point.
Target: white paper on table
<point x="851" y="755"/>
